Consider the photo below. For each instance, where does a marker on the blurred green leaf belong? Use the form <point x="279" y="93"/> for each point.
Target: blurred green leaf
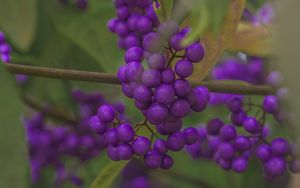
<point x="13" y="157"/>
<point x="164" y="11"/>
<point x="254" y="5"/>
<point x="108" y="174"/>
<point x="18" y="20"/>
<point x="205" y="14"/>
<point x="88" y="31"/>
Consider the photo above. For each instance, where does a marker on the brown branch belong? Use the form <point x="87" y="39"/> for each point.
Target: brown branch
<point x="109" y="78"/>
<point x="51" y="112"/>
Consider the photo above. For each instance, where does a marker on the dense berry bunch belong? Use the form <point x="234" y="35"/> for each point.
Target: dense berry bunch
<point x="232" y="150"/>
<point x="5" y="49"/>
<point x="161" y="91"/>
<point x="49" y="144"/>
<point x="251" y="71"/>
<point x="80" y="4"/>
<point x="122" y="142"/>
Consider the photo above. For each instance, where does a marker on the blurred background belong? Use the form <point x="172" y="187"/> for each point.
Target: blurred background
<point x="54" y="34"/>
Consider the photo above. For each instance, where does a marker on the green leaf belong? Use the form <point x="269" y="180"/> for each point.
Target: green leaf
<point x="13" y="158"/>
<point x="18" y="20"/>
<point x="164" y="11"/>
<point x="88" y="31"/>
<point x="108" y="174"/>
<point x="204" y="15"/>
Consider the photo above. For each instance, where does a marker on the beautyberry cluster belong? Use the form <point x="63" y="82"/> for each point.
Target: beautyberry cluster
<point x="232" y="149"/>
<point x="251" y="71"/>
<point x="5" y="49"/>
<point x="50" y="144"/>
<point x="122" y="142"/>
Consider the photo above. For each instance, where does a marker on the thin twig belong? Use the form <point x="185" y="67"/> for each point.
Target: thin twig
<point x="51" y="112"/>
<point x="109" y="78"/>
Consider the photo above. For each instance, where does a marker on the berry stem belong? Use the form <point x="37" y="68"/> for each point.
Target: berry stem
<point x="49" y="111"/>
<point x="109" y="78"/>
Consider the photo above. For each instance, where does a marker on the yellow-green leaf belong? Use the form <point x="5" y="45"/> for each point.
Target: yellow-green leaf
<point x="204" y="15"/>
<point x="253" y="40"/>
<point x="108" y="174"/>
<point x="18" y="20"/>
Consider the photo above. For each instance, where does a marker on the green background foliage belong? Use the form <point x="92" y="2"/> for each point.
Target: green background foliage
<point x="45" y="33"/>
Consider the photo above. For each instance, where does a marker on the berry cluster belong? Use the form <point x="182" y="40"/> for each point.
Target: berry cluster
<point x="235" y="69"/>
<point x="161" y="92"/>
<point x="50" y="144"/>
<point x="80" y="4"/>
<point x="122" y="142"/>
<point x="232" y="151"/>
<point x="5" y="49"/>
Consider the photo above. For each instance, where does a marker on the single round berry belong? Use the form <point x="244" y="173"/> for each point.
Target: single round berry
<point x="134" y="54"/>
<point x="122" y="74"/>
<point x="121" y="29"/>
<point x="106" y="113"/>
<point x="143" y="94"/>
<point x="228" y="132"/>
<point x="238" y="118"/>
<point x="275" y="79"/>
<point x="270" y="104"/>
<point x="213" y="126"/>
<point x="191" y="135"/>
<point x="125" y="132"/>
<point x="275" y="167"/>
<point x="134" y="71"/>
<point x="141" y="145"/>
<point x="157" y="61"/>
<point x="167" y="162"/>
<point x="144" y="25"/>
<point x="125" y="152"/>
<point x="168" y="76"/>
<point x="180" y="108"/>
<point x="112" y="153"/>
<point x="96" y="125"/>
<point x="235" y="105"/>
<point x="157" y="113"/>
<point x="251" y="125"/>
<point x="242" y="143"/>
<point x="164" y="94"/>
<point x="226" y="150"/>
<point x="182" y="87"/>
<point x="184" y="68"/>
<point x="176" y="40"/>
<point x="111" y="136"/>
<point x="160" y="146"/>
<point x="122" y="12"/>
<point x="153" y="159"/>
<point x="152" y="43"/>
<point x="195" y="52"/>
<point x="176" y="141"/>
<point x="280" y="146"/>
<point x="263" y="152"/>
<point x="151" y="78"/>
<point x="239" y="164"/>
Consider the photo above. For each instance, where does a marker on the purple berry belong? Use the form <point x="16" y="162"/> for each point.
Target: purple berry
<point x="184" y="68"/>
<point x="180" y="108"/>
<point x="242" y="143"/>
<point x="228" y="132"/>
<point x="251" y="125"/>
<point x="164" y="94"/>
<point x="270" y="104"/>
<point x="153" y="159"/>
<point x="134" y="54"/>
<point x="176" y="141"/>
<point x="106" y="113"/>
<point x="96" y="125"/>
<point x="157" y="113"/>
<point x="125" y="132"/>
<point x="213" y="126"/>
<point x="160" y="145"/>
<point x="280" y="146"/>
<point x="141" y="145"/>
<point x="191" y="135"/>
<point x="151" y="78"/>
<point x="167" y="162"/>
<point x="263" y="152"/>
<point x="239" y="164"/>
<point x="195" y="52"/>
